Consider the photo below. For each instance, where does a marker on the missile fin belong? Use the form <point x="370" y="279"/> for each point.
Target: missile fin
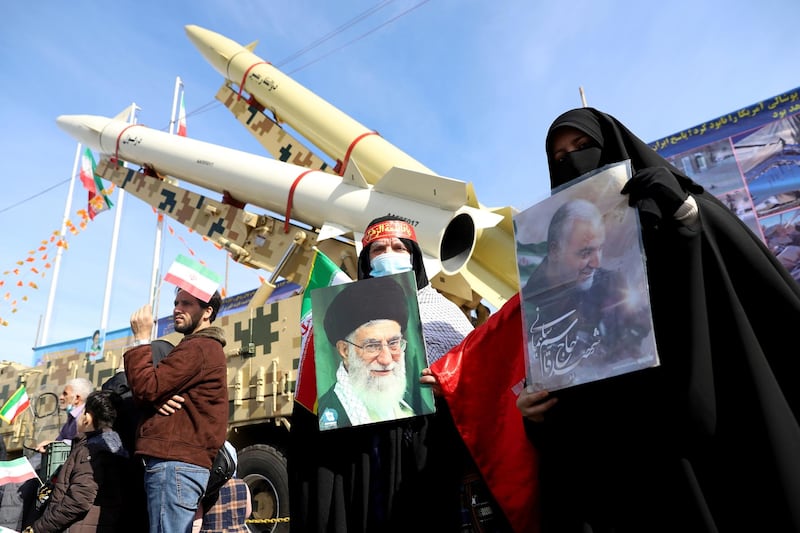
<point x="252" y="46"/>
<point x="353" y="176"/>
<point x="329" y="231"/>
<point x="430" y="189"/>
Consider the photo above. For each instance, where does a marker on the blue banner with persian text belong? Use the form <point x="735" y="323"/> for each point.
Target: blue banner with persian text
<point x="750" y="160"/>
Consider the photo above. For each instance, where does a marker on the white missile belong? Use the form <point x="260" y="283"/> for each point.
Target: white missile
<point x="334" y="132"/>
<point x="438" y="206"/>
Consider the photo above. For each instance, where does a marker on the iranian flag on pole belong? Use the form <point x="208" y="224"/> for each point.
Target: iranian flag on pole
<point x="15" y="405"/>
<point x="16" y="471"/>
<point x="323" y="273"/>
<point x="193" y="277"/>
<point x="182" y="118"/>
<point x="98" y="199"/>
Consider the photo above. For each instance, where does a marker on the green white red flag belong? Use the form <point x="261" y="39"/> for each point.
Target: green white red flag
<point x="16" y="471"/>
<point x="15" y="405"/>
<point x="98" y="198"/>
<point x="182" y="118"/>
<point x="323" y="273"/>
<point x="193" y="277"/>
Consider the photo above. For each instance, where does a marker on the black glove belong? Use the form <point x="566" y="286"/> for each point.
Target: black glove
<point x="656" y="192"/>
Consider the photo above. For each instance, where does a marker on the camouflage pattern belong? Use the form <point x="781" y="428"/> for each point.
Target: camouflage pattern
<point x="276" y="140"/>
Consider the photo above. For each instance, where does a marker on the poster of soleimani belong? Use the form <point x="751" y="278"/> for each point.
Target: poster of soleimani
<point x="369" y="352"/>
<point x="585" y="299"/>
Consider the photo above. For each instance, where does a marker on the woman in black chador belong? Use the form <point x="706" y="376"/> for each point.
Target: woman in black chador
<point x="709" y="440"/>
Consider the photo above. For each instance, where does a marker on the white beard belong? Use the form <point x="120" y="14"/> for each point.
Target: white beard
<point x="381" y="395"/>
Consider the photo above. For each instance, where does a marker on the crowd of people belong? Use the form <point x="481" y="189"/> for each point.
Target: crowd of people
<point x="708" y="440"/>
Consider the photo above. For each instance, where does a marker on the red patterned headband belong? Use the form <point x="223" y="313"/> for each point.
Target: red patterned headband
<point x="387" y="229"/>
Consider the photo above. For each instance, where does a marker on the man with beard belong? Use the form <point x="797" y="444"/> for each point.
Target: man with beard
<point x="575" y="310"/>
<point x="365" y="323"/>
<point x="178" y="450"/>
<point x="72" y="400"/>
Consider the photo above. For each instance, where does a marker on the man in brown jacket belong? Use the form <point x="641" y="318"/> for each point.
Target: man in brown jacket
<point x="178" y="450"/>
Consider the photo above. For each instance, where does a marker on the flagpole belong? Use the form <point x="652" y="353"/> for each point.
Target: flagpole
<point x="112" y="256"/>
<point x="154" y="277"/>
<point x="57" y="262"/>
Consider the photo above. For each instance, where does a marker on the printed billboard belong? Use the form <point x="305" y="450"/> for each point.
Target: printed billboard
<point x="750" y="160"/>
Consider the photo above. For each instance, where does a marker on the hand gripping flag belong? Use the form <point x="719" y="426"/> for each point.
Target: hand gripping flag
<point x="323" y="273"/>
<point x="15" y="405"/>
<point x="193" y="277"/>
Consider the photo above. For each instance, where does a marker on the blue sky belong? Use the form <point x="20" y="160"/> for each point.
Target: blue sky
<point x="467" y="87"/>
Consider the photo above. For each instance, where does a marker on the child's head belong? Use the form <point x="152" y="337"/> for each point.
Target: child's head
<point x="99" y="413"/>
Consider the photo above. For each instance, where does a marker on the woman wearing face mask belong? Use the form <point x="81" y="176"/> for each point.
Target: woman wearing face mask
<point x="403" y="475"/>
<point x="709" y="440"/>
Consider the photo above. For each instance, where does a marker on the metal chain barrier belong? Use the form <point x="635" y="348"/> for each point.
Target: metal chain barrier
<point x="267" y="520"/>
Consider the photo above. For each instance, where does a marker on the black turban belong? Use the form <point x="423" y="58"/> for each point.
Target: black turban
<point x="362" y="301"/>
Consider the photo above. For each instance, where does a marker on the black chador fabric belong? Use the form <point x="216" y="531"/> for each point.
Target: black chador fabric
<point x="708" y="441"/>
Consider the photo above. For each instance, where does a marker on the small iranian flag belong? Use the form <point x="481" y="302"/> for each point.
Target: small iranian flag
<point x="193" y="277"/>
<point x="15" y="405"/>
<point x="182" y="118"/>
<point x="323" y="273"/>
<point x="98" y="199"/>
<point x="16" y="471"/>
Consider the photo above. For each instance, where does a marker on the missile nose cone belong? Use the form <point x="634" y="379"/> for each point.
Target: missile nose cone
<point x="83" y="128"/>
<point x="215" y="48"/>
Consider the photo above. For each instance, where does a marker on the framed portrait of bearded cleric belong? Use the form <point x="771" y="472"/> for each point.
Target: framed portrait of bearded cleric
<point x="584" y="291"/>
<point x="369" y="352"/>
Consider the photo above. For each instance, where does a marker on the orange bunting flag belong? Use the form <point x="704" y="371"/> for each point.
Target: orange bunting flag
<point x="16" y="271"/>
<point x="34" y="270"/>
<point x="33" y="285"/>
<point x="2" y="282"/>
<point x="30" y="260"/>
<point x="19" y="283"/>
<point x="7" y="296"/>
<point x="47" y="265"/>
<point x="20" y="262"/>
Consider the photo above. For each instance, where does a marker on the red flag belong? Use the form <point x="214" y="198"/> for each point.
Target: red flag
<point x="481" y="391"/>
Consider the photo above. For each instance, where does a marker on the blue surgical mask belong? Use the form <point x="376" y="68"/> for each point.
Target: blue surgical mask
<point x="390" y="263"/>
<point x="69" y="408"/>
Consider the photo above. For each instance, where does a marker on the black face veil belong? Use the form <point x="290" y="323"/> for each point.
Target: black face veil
<point x="617" y="143"/>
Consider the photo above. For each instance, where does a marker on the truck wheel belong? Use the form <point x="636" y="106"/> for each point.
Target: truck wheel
<point x="263" y="468"/>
